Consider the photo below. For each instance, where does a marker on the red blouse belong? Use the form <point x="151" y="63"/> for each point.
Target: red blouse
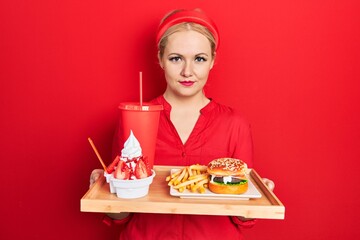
<point x="219" y="132"/>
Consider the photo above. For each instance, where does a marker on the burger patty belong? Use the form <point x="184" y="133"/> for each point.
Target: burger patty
<point x="219" y="179"/>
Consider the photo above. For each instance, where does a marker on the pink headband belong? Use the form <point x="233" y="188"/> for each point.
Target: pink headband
<point x="188" y="16"/>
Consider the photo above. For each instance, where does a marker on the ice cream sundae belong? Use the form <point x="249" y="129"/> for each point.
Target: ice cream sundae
<point x="130" y="175"/>
<point x="131" y="164"/>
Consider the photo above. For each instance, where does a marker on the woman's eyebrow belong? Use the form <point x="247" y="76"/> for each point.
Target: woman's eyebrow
<point x="197" y="54"/>
<point x="202" y="54"/>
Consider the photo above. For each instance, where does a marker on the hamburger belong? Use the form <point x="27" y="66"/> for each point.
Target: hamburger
<point x="228" y="176"/>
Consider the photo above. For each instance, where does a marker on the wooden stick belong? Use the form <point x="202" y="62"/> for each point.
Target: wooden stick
<point x="97" y="153"/>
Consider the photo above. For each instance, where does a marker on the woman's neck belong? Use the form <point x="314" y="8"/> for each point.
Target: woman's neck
<point x="194" y="102"/>
<point x="185" y="112"/>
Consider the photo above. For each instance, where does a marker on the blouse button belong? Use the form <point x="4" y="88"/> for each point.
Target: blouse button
<point x="183" y="154"/>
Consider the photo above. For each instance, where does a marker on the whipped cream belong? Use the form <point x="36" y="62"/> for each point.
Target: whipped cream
<point x="131" y="153"/>
<point x="132" y="148"/>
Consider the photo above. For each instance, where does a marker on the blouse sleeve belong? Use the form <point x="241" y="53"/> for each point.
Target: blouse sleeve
<point x="110" y="222"/>
<point x="244" y="151"/>
<point x="244" y="146"/>
<point x="244" y="224"/>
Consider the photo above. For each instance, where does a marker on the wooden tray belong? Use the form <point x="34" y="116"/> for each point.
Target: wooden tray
<point x="159" y="200"/>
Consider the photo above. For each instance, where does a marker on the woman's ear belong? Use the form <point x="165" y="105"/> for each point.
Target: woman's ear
<point x="159" y="59"/>
<point x="213" y="60"/>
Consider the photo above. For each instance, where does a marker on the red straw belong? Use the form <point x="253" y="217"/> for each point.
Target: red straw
<point x="97" y="153"/>
<point x="141" y="101"/>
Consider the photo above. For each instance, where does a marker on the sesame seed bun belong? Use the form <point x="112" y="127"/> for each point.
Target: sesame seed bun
<point x="220" y="188"/>
<point x="227" y="167"/>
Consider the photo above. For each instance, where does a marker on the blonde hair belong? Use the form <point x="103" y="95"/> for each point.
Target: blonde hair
<point x="186" y="26"/>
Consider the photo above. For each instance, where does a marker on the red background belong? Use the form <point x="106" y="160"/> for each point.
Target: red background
<point x="292" y="67"/>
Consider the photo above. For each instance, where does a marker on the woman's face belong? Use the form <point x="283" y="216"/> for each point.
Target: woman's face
<point x="187" y="61"/>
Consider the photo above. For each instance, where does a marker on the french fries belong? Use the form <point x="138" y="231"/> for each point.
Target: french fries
<point x="194" y="178"/>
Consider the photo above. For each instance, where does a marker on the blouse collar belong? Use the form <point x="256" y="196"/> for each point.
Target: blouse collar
<point x="167" y="107"/>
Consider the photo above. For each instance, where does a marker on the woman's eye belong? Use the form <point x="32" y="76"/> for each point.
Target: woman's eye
<point x="174" y="59"/>
<point x="200" y="59"/>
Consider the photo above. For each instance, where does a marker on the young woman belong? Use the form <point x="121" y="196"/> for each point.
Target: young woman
<point x="193" y="128"/>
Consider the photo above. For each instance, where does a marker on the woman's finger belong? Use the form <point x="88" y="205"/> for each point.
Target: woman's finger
<point x="95" y="174"/>
<point x="269" y="183"/>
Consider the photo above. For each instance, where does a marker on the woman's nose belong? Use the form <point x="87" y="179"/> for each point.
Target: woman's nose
<point x="187" y="70"/>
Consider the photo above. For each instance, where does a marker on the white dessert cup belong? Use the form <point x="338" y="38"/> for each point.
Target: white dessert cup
<point x="129" y="189"/>
<point x="111" y="185"/>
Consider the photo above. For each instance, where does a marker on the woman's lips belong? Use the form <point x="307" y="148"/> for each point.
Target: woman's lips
<point x="187" y="83"/>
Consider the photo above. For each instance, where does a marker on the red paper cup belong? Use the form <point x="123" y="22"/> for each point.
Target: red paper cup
<point x="143" y="120"/>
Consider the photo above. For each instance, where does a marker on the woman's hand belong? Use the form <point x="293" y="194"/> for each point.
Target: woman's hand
<point x="118" y="216"/>
<point x="95" y="174"/>
<point x="269" y="183"/>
